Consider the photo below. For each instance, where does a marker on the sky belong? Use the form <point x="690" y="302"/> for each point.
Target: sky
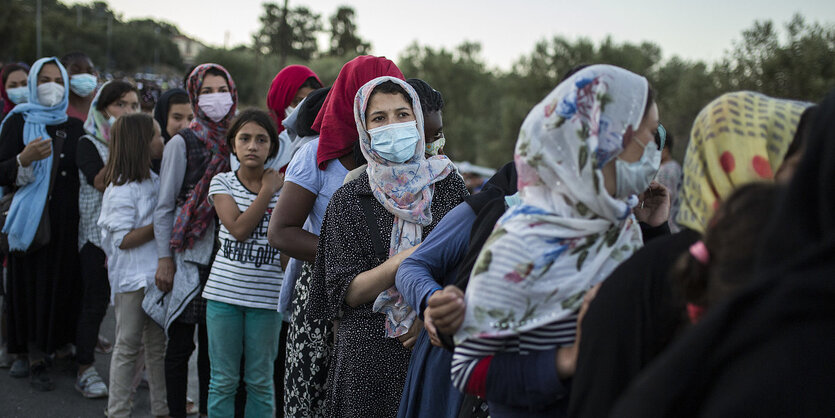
<point x="507" y="30"/>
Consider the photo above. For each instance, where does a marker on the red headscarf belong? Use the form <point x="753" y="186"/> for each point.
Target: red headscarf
<point x="284" y="88"/>
<point x="335" y="122"/>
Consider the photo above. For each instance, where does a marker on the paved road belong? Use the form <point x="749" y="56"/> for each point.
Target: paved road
<point x="19" y="400"/>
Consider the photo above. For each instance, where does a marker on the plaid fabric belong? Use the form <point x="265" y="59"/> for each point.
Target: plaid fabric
<point x="89" y="202"/>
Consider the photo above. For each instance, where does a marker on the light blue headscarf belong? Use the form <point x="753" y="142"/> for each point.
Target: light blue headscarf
<point x="29" y="201"/>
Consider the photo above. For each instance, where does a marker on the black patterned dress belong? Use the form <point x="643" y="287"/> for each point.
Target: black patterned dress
<point x="309" y="348"/>
<point x="367" y="370"/>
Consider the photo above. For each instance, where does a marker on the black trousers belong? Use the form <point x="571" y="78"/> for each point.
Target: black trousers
<point x="96" y="296"/>
<point x="179" y="349"/>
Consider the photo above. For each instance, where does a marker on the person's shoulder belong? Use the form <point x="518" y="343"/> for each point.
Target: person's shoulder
<point x="176" y="140"/>
<point x="303" y="163"/>
<point x="652" y="262"/>
<point x="121" y="191"/>
<point x="309" y="148"/>
<point x="349" y="191"/>
<point x="227" y="179"/>
<point x="453" y="184"/>
<point x="14" y="120"/>
<point x="73" y="123"/>
<point x="85" y="143"/>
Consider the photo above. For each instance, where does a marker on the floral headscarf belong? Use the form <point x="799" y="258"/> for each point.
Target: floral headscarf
<point x="568" y="233"/>
<point x="738" y="138"/>
<point x="194" y="218"/>
<point x="405" y="190"/>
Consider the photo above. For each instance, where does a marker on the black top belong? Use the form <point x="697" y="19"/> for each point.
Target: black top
<point x="45" y="285"/>
<point x="367" y="370"/>
<point x="88" y="160"/>
<point x="11" y="144"/>
<point x="633" y="318"/>
<point x="767" y="351"/>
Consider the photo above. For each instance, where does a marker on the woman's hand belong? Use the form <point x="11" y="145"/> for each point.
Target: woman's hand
<point x="654" y="206"/>
<point x="410" y="338"/>
<point x="446" y="308"/>
<point x="35" y="150"/>
<point x="165" y="274"/>
<point x="430" y="328"/>
<point x="272" y="181"/>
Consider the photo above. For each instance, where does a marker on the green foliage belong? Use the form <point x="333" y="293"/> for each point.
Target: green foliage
<point x="484" y="107"/>
<point x="801" y="67"/>
<point x="470" y="97"/>
<point x="288" y="32"/>
<point x="344" y="40"/>
<point x="84" y="28"/>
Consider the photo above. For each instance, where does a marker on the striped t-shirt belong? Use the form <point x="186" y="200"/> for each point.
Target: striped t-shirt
<point x="244" y="273"/>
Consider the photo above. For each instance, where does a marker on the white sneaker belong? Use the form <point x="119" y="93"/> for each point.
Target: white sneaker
<point x="90" y="384"/>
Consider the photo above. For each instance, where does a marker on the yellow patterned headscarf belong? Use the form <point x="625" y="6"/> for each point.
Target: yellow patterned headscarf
<point x="738" y="138"/>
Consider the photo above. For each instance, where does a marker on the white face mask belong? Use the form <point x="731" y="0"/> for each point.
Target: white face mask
<point x="215" y="105"/>
<point x="111" y="120"/>
<point x="288" y="111"/>
<point x="634" y="178"/>
<point x="50" y="94"/>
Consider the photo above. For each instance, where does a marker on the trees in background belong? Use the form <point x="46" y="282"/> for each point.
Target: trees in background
<point x="111" y="42"/>
<point x="484" y="106"/>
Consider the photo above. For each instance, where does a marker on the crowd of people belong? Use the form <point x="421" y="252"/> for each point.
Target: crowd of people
<point x="325" y="258"/>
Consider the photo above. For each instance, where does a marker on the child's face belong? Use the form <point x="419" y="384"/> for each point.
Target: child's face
<point x="179" y="117"/>
<point x="156" y="144"/>
<point x="252" y="145"/>
<point x="128" y="103"/>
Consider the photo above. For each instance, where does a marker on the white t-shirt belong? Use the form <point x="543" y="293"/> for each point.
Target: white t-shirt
<point x="123" y="209"/>
<point x="244" y="273"/>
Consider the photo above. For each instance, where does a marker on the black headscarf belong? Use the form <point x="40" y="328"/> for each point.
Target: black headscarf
<point x="161" y="110"/>
<point x="768" y="350"/>
<point x="308" y="111"/>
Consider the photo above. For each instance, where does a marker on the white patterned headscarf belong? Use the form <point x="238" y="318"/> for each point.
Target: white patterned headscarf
<point x="569" y="233"/>
<point x="405" y="190"/>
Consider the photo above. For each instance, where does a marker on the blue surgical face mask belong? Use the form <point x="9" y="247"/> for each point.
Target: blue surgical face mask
<point x="434" y="148"/>
<point x="634" y="178"/>
<point x="83" y="84"/>
<point x="111" y="120"/>
<point x="18" y="95"/>
<point x="396" y="141"/>
<point x="513" y="200"/>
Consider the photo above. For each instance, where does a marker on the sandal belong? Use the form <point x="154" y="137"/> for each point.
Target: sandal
<point x="104" y="346"/>
<point x="191" y="408"/>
